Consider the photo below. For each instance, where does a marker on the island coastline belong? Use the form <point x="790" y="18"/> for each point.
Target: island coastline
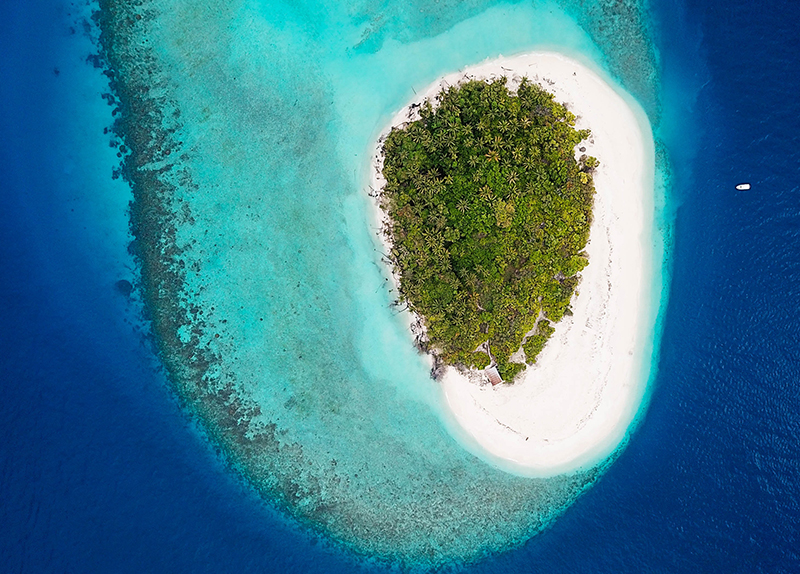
<point x="572" y="408"/>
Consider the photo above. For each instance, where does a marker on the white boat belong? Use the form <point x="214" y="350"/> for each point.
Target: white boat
<point x="743" y="186"/>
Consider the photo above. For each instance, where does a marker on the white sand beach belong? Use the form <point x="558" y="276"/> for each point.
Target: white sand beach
<point x="573" y="407"/>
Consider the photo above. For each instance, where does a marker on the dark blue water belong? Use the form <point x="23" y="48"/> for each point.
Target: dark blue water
<point x="100" y="471"/>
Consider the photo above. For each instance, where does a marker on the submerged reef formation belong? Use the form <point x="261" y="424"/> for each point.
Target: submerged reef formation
<point x="264" y="301"/>
<point x="489" y="214"/>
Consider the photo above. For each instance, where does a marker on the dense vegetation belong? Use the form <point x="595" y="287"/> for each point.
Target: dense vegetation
<point x="489" y="213"/>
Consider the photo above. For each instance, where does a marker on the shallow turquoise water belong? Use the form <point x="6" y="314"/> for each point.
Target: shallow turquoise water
<point x="250" y="125"/>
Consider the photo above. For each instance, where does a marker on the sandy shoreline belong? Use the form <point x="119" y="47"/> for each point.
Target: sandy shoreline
<point x="574" y="406"/>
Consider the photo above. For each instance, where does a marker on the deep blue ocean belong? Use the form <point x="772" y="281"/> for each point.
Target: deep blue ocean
<point x="101" y="470"/>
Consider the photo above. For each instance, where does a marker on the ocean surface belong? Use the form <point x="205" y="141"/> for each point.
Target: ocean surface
<point x="116" y="456"/>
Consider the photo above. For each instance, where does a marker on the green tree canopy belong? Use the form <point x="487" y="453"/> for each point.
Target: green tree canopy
<point x="489" y="215"/>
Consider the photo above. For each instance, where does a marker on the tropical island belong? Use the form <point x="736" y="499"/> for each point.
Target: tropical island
<point x="489" y="213"/>
<point x="574" y="405"/>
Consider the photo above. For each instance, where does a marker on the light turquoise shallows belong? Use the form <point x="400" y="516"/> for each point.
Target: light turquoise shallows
<point x="279" y="103"/>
